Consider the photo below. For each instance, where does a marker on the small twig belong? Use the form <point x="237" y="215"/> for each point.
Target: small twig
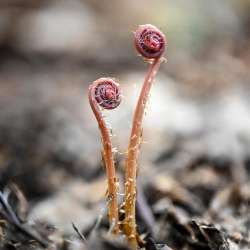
<point x="8" y="213"/>
<point x="143" y="209"/>
<point x="81" y="236"/>
<point x="7" y="207"/>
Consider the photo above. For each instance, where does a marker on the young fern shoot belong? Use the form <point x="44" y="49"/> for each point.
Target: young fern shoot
<point x="105" y="93"/>
<point x="150" y="43"/>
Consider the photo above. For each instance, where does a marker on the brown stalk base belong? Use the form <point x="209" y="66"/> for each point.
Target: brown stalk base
<point x="109" y="164"/>
<point x="133" y="152"/>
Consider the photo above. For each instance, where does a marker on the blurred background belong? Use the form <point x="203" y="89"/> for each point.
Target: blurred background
<point x="198" y="113"/>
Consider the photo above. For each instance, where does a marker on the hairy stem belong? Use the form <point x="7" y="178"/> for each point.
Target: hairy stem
<point x="133" y="152"/>
<point x="109" y="163"/>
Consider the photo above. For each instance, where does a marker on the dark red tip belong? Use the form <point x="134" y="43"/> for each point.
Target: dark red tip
<point x="150" y="42"/>
<point x="107" y="93"/>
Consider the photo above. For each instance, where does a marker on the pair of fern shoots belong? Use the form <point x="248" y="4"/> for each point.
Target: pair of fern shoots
<point x="104" y="93"/>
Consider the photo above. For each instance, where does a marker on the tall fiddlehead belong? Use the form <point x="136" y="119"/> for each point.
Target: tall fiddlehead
<point x="150" y="43"/>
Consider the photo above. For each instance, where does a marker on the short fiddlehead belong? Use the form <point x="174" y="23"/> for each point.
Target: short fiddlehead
<point x="105" y="93"/>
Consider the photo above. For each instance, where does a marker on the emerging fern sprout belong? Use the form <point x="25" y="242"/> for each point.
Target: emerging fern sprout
<point x="105" y="93"/>
<point x="150" y="43"/>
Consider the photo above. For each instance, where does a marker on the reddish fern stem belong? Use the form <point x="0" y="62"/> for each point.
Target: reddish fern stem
<point x="105" y="92"/>
<point x="150" y="43"/>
